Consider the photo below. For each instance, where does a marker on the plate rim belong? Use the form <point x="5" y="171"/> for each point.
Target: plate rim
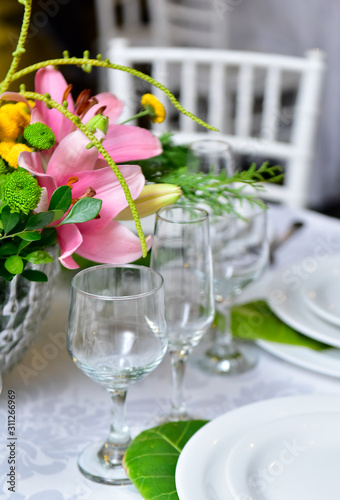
<point x="303" y="357"/>
<point x="245" y="417"/>
<point x="313" y="306"/>
<point x="315" y="325"/>
<point x="237" y="477"/>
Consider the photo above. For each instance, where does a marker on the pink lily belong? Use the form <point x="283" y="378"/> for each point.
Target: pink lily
<point x="123" y="142"/>
<point x="102" y="240"/>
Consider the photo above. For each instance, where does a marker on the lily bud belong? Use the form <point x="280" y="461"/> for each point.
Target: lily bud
<point x="152" y="198"/>
<point x="98" y="122"/>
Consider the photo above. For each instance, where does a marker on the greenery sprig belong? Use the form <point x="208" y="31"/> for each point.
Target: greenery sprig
<point x="218" y="192"/>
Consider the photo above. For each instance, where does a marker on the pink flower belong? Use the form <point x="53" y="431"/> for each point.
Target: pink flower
<point x="102" y="240"/>
<point x="123" y="142"/>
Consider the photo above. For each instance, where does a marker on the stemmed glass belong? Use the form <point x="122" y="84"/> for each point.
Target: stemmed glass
<point x="116" y="335"/>
<point x="181" y="253"/>
<point x="240" y="254"/>
<point x="240" y="251"/>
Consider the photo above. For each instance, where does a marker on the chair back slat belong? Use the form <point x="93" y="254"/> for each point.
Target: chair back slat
<point x="217" y="103"/>
<point x="244" y="101"/>
<point x="188" y="94"/>
<point x="271" y="104"/>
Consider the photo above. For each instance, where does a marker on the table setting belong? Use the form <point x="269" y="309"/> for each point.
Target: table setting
<point x="59" y="409"/>
<point x="208" y="317"/>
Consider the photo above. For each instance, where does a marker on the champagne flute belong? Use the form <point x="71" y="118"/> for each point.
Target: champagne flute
<point x="181" y="253"/>
<point x="240" y="254"/>
<point x="116" y="335"/>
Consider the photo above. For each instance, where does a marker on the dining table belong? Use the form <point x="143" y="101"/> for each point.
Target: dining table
<point x="59" y="410"/>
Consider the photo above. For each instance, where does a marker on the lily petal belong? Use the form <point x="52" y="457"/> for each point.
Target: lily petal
<point x="129" y="143"/>
<point x="51" y="81"/>
<point x="108" y="189"/>
<point x="69" y="239"/>
<point x="14" y="96"/>
<point x="71" y="156"/>
<point x="32" y="163"/>
<point x="113" y="107"/>
<point x="112" y="244"/>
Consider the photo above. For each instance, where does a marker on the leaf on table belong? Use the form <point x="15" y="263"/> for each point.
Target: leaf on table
<point x="257" y="321"/>
<point x="151" y="459"/>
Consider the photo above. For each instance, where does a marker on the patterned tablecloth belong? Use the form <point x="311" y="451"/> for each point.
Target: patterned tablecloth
<point x="59" y="410"/>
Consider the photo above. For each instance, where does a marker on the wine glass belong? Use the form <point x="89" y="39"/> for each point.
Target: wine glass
<point x="210" y="155"/>
<point x="116" y="335"/>
<point x="181" y="253"/>
<point x="240" y="251"/>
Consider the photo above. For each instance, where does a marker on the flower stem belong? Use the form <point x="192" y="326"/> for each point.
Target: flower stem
<point x="77" y="61"/>
<point x="19" y="48"/>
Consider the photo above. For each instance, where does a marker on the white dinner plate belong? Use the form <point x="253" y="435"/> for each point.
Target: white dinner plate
<point x="285" y="298"/>
<point x="201" y="472"/>
<point x="322" y="290"/>
<point x="326" y="361"/>
<point x="292" y="458"/>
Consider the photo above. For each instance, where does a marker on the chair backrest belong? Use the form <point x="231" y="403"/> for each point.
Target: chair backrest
<point x="116" y="18"/>
<point x="259" y="124"/>
<point x="190" y="23"/>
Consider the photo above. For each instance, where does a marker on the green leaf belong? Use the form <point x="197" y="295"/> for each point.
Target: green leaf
<point x="40" y="220"/>
<point x="48" y="237"/>
<point x="9" y="219"/>
<point x="8" y="249"/>
<point x="61" y="199"/>
<point x="14" y="264"/>
<point x="39" y="257"/>
<point x="57" y="215"/>
<point x="29" y="235"/>
<point x="34" y="275"/>
<point x="23" y="244"/>
<point x="84" y="210"/>
<point x="256" y="321"/>
<point x="151" y="459"/>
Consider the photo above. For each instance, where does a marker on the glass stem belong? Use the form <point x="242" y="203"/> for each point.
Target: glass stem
<point x="113" y="450"/>
<point x="178" y="364"/>
<point x="223" y="334"/>
<point x="223" y="347"/>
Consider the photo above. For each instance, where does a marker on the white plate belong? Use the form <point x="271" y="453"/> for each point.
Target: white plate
<point x="292" y="458"/>
<point x="201" y="468"/>
<point x="322" y="290"/>
<point x="326" y="361"/>
<point x="285" y="298"/>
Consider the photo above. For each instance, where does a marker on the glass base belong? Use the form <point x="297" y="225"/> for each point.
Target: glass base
<point x="226" y="360"/>
<point x="94" y="467"/>
<point x="171" y="417"/>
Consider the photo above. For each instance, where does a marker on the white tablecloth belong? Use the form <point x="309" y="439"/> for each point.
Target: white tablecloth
<point x="59" y="410"/>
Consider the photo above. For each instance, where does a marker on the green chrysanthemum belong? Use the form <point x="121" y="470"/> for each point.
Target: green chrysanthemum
<point x="39" y="136"/>
<point x="21" y="191"/>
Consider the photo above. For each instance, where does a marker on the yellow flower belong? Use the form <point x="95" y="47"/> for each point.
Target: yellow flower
<point x="154" y="107"/>
<point x="152" y="197"/>
<point x="10" y="151"/>
<point x="13" y="119"/>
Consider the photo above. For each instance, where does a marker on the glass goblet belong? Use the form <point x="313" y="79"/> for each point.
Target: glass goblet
<point x="210" y="156"/>
<point x="116" y="335"/>
<point x="240" y="254"/>
<point x="181" y="253"/>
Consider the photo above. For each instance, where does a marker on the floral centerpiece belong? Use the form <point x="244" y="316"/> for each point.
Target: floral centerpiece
<point x="69" y="171"/>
